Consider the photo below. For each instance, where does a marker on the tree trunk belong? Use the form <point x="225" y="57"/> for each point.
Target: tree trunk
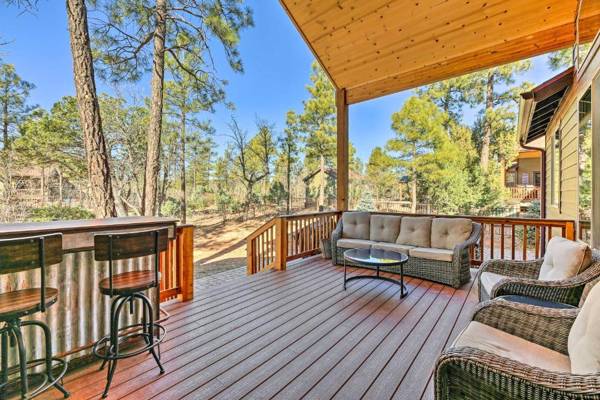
<point x="413" y="193"/>
<point x="6" y="143"/>
<point x="89" y="111"/>
<point x="155" y="128"/>
<point x="321" y="201"/>
<point x="182" y="160"/>
<point x="487" y="128"/>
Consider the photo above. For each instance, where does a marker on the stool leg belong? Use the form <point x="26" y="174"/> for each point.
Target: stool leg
<point x="113" y="306"/>
<point x="148" y="306"/>
<point x="16" y="331"/>
<point x="4" y="355"/>
<point x="48" y="340"/>
<point x="114" y="342"/>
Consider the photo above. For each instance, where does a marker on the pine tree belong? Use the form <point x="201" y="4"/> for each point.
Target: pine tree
<point x="14" y="93"/>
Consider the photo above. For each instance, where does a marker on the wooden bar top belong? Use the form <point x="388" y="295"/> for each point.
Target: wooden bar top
<point x="78" y="234"/>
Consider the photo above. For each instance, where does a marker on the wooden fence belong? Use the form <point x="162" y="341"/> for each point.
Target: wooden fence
<point x="294" y="236"/>
<point x="524" y="193"/>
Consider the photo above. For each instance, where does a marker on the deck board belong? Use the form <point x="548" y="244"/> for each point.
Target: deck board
<point x="295" y="334"/>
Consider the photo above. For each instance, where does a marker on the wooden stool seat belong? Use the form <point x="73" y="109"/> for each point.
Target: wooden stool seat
<point x="128" y="282"/>
<point x="23" y="302"/>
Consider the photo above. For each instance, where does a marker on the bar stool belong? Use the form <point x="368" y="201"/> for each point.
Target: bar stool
<point x="126" y="288"/>
<point x="25" y="254"/>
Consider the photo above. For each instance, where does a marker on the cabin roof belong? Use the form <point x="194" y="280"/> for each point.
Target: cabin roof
<point x="539" y="105"/>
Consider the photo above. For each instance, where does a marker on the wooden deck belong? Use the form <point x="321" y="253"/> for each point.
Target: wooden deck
<point x="295" y="334"/>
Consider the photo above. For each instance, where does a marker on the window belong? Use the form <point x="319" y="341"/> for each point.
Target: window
<point x="510" y="179"/>
<point x="525" y="179"/>
<point x="555" y="168"/>
<point x="537" y="178"/>
<point x="585" y="167"/>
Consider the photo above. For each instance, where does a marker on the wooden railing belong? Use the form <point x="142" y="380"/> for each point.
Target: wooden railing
<point x="176" y="266"/>
<point x="508" y="238"/>
<point x="524" y="193"/>
<point x="287" y="238"/>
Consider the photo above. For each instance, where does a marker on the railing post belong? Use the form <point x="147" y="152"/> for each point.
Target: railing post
<point x="281" y="243"/>
<point x="570" y="230"/>
<point x="185" y="261"/>
<point x="250" y="257"/>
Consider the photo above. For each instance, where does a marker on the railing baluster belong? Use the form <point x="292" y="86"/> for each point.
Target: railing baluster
<point x="537" y="242"/>
<point x="512" y="241"/>
<point x="524" y="242"/>
<point x="492" y="241"/>
<point x="502" y="241"/>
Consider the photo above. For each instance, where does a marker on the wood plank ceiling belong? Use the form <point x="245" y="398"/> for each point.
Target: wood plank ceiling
<point x="377" y="47"/>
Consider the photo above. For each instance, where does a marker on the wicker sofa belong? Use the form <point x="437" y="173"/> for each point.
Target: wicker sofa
<point x="560" y="276"/>
<point x="517" y="351"/>
<point x="438" y="248"/>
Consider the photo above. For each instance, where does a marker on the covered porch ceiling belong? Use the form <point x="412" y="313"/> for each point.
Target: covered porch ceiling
<point x="378" y="47"/>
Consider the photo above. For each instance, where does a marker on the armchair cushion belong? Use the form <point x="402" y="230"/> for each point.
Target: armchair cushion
<point x="446" y="233"/>
<point x="354" y="243"/>
<point x="584" y="337"/>
<point x="385" y="228"/>
<point x="415" y="231"/>
<point x="400" y="248"/>
<point x="432" y="254"/>
<point x="488" y="280"/>
<point x="495" y="341"/>
<point x="564" y="259"/>
<point x="356" y="225"/>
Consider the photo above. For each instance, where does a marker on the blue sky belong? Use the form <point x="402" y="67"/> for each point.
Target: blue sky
<point x="276" y="60"/>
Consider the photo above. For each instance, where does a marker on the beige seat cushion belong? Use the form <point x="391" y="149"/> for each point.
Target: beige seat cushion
<point x="355" y="225"/>
<point x="399" y="248"/>
<point x="446" y="233"/>
<point x="355" y="243"/>
<point x="415" y="231"/>
<point x="431" y="253"/>
<point x="489" y="280"/>
<point x="495" y="341"/>
<point x="384" y="228"/>
<point x="564" y="259"/>
<point x="584" y="337"/>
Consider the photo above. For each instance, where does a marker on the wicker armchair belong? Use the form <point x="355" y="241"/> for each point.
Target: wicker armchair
<point x="521" y="278"/>
<point x="470" y="373"/>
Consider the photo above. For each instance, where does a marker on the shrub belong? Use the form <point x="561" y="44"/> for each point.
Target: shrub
<point x="58" y="213"/>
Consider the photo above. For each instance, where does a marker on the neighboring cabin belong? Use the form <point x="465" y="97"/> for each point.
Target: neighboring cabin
<point x="564" y="113"/>
<point x="523" y="177"/>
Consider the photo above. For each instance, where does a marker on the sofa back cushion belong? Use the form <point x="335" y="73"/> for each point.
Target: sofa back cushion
<point x="564" y="259"/>
<point x="385" y="228"/>
<point x="584" y="337"/>
<point x="355" y="225"/>
<point x="415" y="231"/>
<point x="448" y="232"/>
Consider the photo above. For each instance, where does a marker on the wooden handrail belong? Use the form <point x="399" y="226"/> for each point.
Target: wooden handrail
<point x="289" y="237"/>
<point x="176" y="266"/>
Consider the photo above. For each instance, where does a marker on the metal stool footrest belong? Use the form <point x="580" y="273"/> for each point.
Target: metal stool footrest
<point x="108" y="354"/>
<point x="46" y="383"/>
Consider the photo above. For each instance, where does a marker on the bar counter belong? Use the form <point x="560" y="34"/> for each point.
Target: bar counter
<point x="81" y="314"/>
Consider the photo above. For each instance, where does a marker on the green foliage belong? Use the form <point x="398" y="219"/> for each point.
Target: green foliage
<point x="366" y="202"/>
<point x="54" y="138"/>
<point x="58" y="213"/>
<point x="123" y="33"/>
<point x="171" y="207"/>
<point x="14" y="93"/>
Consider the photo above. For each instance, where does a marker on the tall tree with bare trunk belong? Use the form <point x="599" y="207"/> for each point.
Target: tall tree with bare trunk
<point x="124" y="31"/>
<point x="89" y="110"/>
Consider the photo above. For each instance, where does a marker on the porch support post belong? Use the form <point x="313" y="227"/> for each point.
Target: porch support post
<point x="595" y="222"/>
<point x="342" y="149"/>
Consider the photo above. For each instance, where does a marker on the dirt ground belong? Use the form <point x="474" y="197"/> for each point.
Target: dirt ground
<point x="221" y="246"/>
